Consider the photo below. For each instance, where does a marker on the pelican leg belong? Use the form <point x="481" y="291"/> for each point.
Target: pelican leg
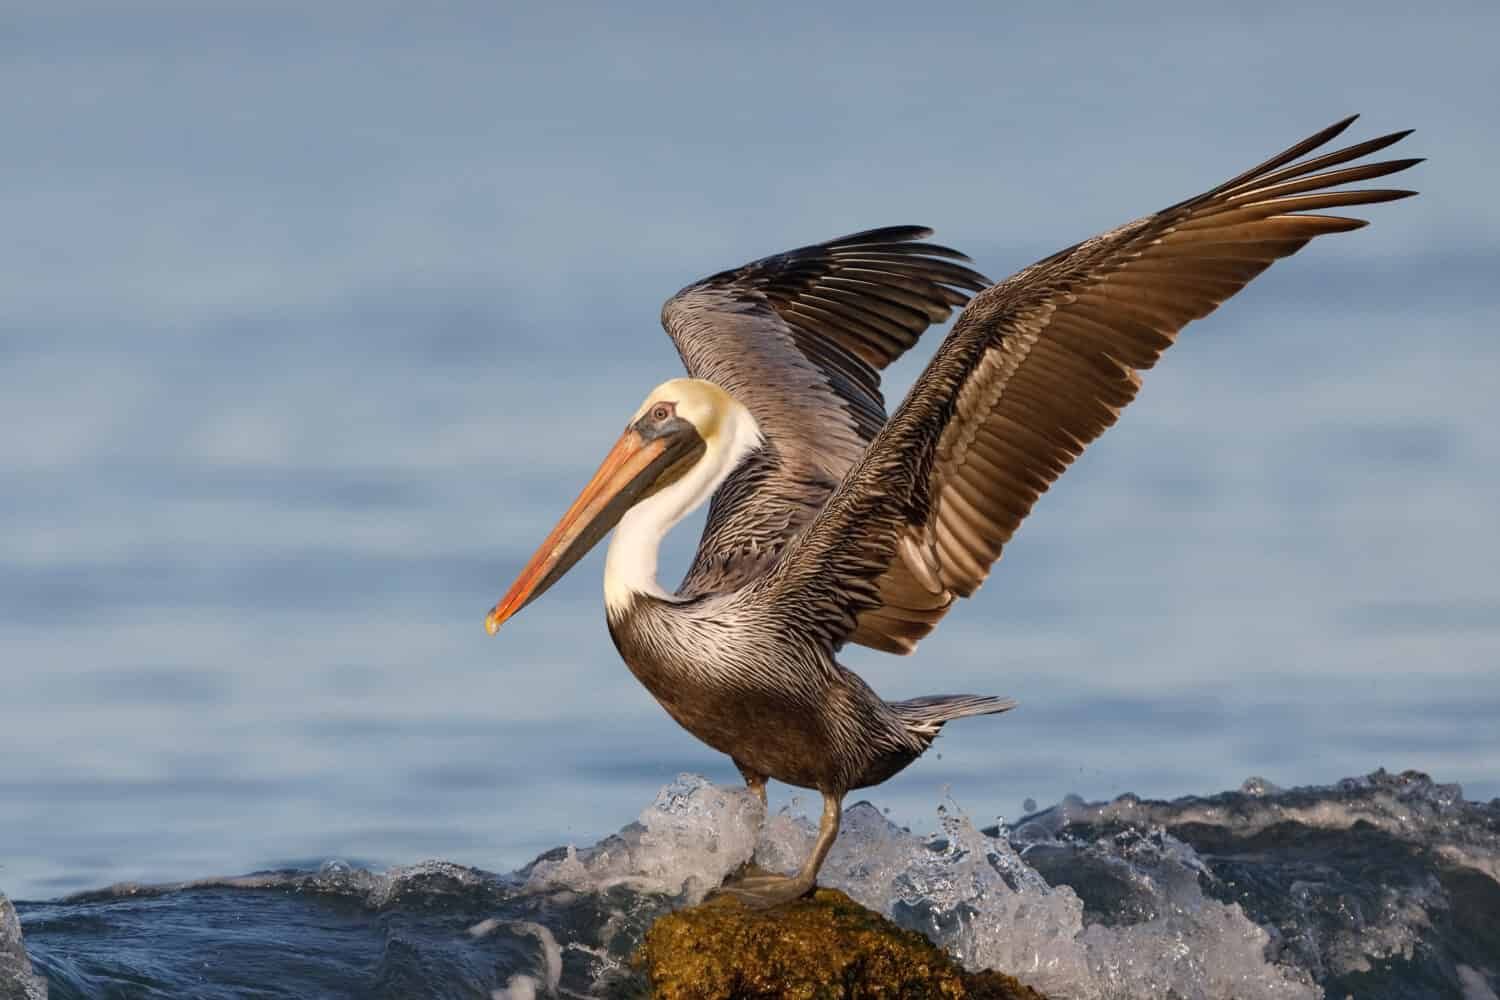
<point x="761" y="891"/>
<point x="753" y="781"/>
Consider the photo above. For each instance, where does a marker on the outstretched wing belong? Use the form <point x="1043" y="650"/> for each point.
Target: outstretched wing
<point x="799" y="339"/>
<point x="1037" y="367"/>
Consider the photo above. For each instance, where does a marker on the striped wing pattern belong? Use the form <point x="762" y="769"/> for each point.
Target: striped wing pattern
<point x="1036" y="368"/>
<point x="800" y="339"/>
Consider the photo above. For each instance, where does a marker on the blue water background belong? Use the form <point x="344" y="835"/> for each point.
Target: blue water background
<point x="313" y="320"/>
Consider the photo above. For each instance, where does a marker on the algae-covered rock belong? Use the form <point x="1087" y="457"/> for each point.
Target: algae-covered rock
<point x="818" y="948"/>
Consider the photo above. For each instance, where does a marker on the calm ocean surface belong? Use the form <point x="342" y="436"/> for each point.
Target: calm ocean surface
<point x="301" y="357"/>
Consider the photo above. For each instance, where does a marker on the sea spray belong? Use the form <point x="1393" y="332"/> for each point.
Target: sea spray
<point x="1382" y="886"/>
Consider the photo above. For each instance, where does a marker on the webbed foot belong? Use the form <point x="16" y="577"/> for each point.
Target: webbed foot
<point x="761" y="890"/>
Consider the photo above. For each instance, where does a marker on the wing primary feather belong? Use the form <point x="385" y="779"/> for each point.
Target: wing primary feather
<point x="1036" y="367"/>
<point x="1327" y="160"/>
<point x="1307" y="145"/>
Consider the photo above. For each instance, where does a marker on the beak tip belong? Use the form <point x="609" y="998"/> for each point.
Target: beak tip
<point x="491" y="623"/>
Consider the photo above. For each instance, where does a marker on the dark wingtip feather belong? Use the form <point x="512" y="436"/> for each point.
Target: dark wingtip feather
<point x="1375" y="196"/>
<point x="1286" y="156"/>
<point x="1331" y="132"/>
<point x="884" y="234"/>
<point x="909" y="249"/>
<point x="938" y="250"/>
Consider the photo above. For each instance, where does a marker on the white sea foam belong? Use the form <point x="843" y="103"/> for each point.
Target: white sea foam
<point x="976" y="895"/>
<point x="685" y="843"/>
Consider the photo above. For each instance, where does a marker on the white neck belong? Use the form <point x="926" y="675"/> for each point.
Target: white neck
<point x="630" y="566"/>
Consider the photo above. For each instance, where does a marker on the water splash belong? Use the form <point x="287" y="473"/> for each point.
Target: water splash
<point x="1359" y="883"/>
<point x="683" y="845"/>
<point x="974" y="893"/>
<point x="1383" y="886"/>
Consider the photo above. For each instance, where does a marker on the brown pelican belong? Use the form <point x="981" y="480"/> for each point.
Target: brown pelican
<point x="829" y="524"/>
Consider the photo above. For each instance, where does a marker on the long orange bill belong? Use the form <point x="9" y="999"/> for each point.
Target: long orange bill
<point x="628" y="470"/>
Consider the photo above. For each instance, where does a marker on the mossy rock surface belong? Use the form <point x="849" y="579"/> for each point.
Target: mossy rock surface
<point x="822" y="947"/>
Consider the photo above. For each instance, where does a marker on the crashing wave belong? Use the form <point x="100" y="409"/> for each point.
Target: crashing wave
<point x="1382" y="886"/>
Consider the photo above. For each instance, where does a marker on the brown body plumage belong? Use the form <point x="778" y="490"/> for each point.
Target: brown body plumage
<point x="830" y="524"/>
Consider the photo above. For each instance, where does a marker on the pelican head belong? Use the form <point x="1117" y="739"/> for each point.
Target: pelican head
<point x="659" y="458"/>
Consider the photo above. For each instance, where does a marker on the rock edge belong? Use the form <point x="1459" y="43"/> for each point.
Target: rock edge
<point x="821" y="947"/>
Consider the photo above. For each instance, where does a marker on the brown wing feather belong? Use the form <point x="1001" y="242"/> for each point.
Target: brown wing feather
<point x="800" y="338"/>
<point x="1037" y="367"/>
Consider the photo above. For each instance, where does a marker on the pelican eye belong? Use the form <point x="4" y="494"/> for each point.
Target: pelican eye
<point x="662" y="412"/>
